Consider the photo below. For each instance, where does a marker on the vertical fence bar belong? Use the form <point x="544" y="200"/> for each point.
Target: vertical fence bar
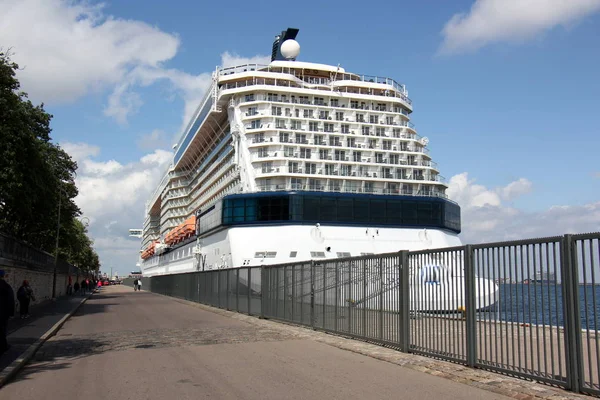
<point x="404" y="302"/>
<point x="227" y="289"/>
<point x="249" y="286"/>
<point x="471" y="312"/>
<point x="237" y="289"/>
<point x="265" y="287"/>
<point x="312" y="294"/>
<point x="571" y="314"/>
<point x="364" y="296"/>
<point x="336" y="300"/>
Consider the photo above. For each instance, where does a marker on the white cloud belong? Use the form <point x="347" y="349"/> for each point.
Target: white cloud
<point x="122" y="103"/>
<point x="231" y="60"/>
<point x="112" y="195"/>
<point x="90" y="167"/>
<point x="80" y="151"/>
<point x="491" y="21"/>
<point x="487" y="218"/>
<point x="68" y="48"/>
<point x="157" y="139"/>
<point x="515" y="189"/>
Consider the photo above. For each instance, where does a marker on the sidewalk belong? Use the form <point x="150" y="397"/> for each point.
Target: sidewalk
<point x="24" y="333"/>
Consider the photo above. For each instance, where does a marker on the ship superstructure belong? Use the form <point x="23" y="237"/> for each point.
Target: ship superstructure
<point x="292" y="161"/>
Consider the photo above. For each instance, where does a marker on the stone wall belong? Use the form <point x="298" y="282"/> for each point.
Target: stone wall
<point x="40" y="282"/>
<point x="22" y="262"/>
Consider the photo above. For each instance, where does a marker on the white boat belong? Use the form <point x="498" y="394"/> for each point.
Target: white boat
<point x="293" y="161"/>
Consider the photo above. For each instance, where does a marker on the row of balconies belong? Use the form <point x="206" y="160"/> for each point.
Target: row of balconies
<point x="359" y="146"/>
<point x="382" y="116"/>
<point x="362" y="160"/>
<point x="182" y="206"/>
<point x="214" y="170"/>
<point x="213" y="186"/>
<point x="337" y="125"/>
<point x="411" y="176"/>
<point x="404" y="191"/>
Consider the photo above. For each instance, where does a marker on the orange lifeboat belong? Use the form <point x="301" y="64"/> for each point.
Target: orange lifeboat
<point x="149" y="251"/>
<point x="182" y="231"/>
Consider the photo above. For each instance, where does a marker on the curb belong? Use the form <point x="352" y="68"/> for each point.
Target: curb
<point x="9" y="372"/>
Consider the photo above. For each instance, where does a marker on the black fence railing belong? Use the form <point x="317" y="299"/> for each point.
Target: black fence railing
<point x="16" y="253"/>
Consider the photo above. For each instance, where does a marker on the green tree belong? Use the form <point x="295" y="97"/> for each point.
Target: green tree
<point x="36" y="176"/>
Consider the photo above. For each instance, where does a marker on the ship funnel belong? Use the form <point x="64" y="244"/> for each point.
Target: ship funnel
<point x="289" y="34"/>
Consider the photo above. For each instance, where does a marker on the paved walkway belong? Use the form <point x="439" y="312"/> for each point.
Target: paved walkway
<point x="22" y="333"/>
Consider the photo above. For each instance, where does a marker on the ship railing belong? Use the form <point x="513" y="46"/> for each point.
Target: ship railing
<point x="285" y="83"/>
<point x="342" y="76"/>
<point x="340" y="189"/>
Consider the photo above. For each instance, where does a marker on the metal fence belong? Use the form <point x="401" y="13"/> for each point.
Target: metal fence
<point x="526" y="308"/>
<point x="14" y="252"/>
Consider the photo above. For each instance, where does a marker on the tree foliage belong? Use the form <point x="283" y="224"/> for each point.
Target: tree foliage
<point x="36" y="176"/>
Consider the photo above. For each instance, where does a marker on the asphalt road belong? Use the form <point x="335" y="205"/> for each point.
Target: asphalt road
<point x="123" y="344"/>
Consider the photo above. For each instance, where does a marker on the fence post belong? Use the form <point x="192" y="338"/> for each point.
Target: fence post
<point x="380" y="299"/>
<point x="249" y="285"/>
<point x="572" y="320"/>
<point x="237" y="289"/>
<point x="312" y="294"/>
<point x="404" y="301"/>
<point x="227" y="289"/>
<point x="364" y="298"/>
<point x="471" y="305"/>
<point x="263" y="287"/>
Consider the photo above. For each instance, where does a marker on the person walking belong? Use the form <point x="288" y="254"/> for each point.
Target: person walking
<point x="76" y="287"/>
<point x="7" y="309"/>
<point x="83" y="286"/>
<point x="25" y="295"/>
<point x="70" y="286"/>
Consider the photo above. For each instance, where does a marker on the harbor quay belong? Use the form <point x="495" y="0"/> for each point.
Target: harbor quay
<point x="126" y="344"/>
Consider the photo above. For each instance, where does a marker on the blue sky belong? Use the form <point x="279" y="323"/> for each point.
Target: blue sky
<point x="507" y="93"/>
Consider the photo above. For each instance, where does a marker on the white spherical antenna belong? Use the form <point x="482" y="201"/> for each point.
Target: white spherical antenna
<point x="425" y="141"/>
<point x="290" y="49"/>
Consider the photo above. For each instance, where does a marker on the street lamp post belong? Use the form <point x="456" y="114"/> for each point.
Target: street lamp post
<point x="56" y="250"/>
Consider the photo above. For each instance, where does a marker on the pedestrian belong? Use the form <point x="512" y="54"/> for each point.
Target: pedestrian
<point x="83" y="286"/>
<point x="87" y="285"/>
<point x="25" y="295"/>
<point x="76" y="287"/>
<point x="70" y="286"/>
<point x="99" y="284"/>
<point x="7" y="309"/>
<point x="139" y="284"/>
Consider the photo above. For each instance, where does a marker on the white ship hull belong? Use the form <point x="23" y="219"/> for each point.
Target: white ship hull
<point x="254" y="246"/>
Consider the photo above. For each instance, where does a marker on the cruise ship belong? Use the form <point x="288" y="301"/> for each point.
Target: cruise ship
<point x="294" y="161"/>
